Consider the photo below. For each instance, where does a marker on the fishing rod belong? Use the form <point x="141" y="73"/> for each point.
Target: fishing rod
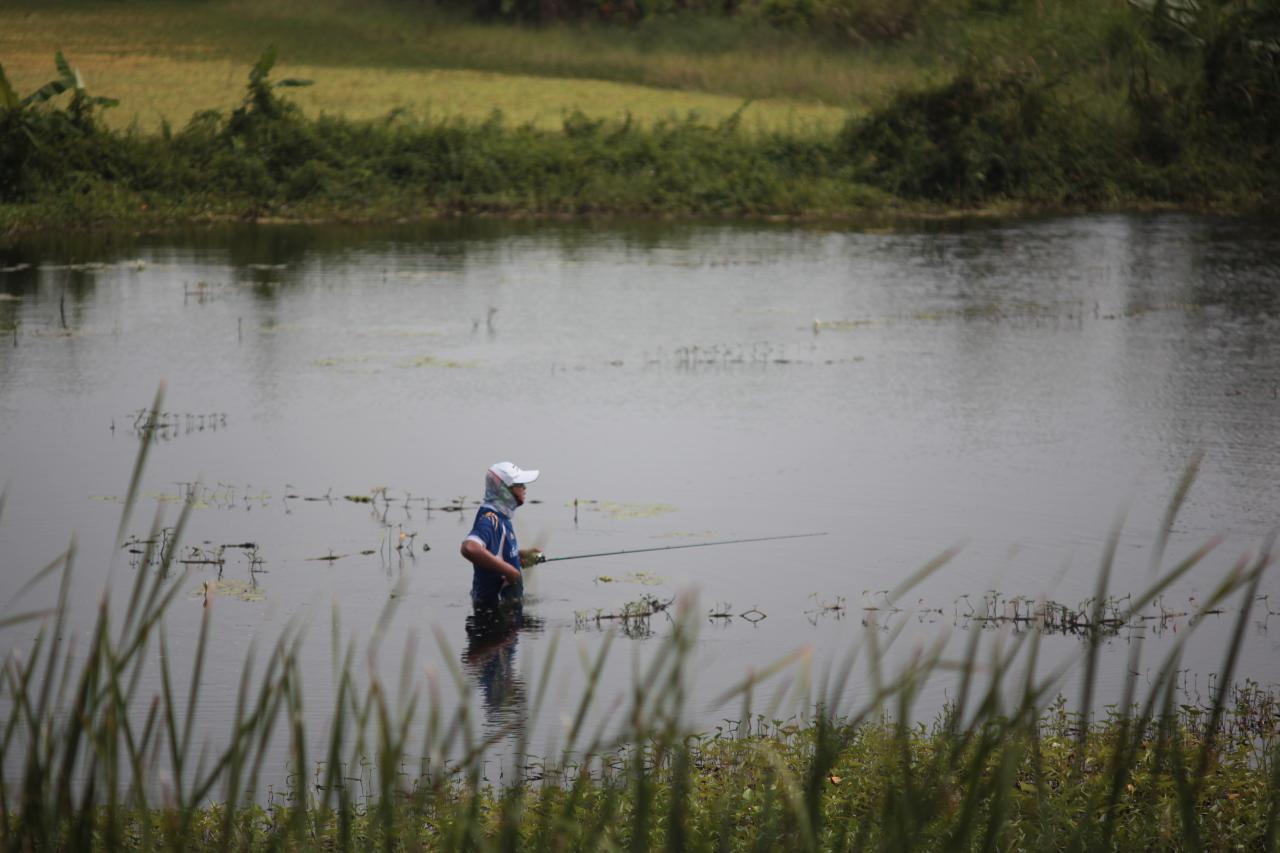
<point x="674" y="547"/>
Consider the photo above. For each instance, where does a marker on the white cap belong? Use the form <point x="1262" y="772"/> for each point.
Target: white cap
<point x="512" y="474"/>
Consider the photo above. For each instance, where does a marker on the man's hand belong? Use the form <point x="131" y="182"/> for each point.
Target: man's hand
<point x="531" y="557"/>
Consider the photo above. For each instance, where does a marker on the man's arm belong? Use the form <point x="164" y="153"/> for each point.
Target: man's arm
<point x="479" y="556"/>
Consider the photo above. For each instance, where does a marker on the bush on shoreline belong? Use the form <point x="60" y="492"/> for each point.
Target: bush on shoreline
<point x="844" y="22"/>
<point x="267" y="159"/>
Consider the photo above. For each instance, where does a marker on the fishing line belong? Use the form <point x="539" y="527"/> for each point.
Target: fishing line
<point x="675" y="547"/>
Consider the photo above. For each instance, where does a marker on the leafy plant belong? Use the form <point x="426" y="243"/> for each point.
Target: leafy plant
<point x="68" y="79"/>
<point x="261" y="100"/>
<point x="28" y="133"/>
<point x="1237" y="46"/>
<point x="987" y="133"/>
<point x="1231" y="97"/>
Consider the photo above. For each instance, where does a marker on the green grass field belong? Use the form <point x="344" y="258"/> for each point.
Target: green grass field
<point x="166" y="60"/>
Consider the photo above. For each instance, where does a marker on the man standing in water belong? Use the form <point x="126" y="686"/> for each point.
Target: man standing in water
<point x="491" y="546"/>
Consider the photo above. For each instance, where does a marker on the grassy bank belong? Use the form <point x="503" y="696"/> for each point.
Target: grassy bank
<point x="1086" y="104"/>
<point x="165" y="61"/>
<point x="266" y="158"/>
<point x="197" y="84"/>
<point x="94" y="762"/>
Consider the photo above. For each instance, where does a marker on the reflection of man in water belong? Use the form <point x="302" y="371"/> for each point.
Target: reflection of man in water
<point x="490" y="658"/>
<point x="497" y="591"/>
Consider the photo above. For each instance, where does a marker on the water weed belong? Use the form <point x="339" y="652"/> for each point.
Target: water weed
<point x="642" y="578"/>
<point x="617" y="510"/>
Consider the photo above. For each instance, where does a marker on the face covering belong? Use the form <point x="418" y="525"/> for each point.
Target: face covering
<point x="497" y="495"/>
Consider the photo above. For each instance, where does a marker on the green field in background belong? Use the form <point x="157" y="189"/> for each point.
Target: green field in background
<point x="165" y="61"/>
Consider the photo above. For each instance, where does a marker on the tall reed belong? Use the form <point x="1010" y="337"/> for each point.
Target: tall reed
<point x="91" y="762"/>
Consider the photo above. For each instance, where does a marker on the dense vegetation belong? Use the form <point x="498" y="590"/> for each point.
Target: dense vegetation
<point x="1086" y="104"/>
<point x="822" y="786"/>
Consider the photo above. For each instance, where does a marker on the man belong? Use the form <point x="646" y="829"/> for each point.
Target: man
<point x="491" y="546"/>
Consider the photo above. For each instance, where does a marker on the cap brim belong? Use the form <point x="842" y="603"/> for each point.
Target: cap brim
<point x="524" y="477"/>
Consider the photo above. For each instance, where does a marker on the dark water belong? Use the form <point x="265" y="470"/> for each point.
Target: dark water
<point x="1009" y="388"/>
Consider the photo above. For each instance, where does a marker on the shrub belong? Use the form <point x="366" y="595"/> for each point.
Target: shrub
<point x="984" y="134"/>
<point x="856" y="21"/>
<point x="37" y="143"/>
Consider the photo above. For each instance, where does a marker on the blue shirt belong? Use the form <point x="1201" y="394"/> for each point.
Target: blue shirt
<point x="498" y="536"/>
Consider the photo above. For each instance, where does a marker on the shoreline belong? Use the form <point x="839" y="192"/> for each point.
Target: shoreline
<point x="17" y="224"/>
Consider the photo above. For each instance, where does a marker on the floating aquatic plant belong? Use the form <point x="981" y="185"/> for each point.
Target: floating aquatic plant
<point x="841" y="325"/>
<point x="642" y="578"/>
<point x="618" y="510"/>
<point x="433" y="361"/>
<point x="229" y="588"/>
<point x="344" y="361"/>
<point x="640" y="609"/>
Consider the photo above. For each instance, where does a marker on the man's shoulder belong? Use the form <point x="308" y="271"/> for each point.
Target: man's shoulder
<point x="487" y="518"/>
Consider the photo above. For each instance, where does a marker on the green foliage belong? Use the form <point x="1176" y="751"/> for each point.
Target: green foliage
<point x="261" y="103"/>
<point x="82" y="105"/>
<point x="267" y="156"/>
<point x="1196" y="116"/>
<point x="985" y="134"/>
<point x="1234" y="45"/>
<point x="8" y="97"/>
<point x="1190" y="116"/>
<point x="36" y="143"/>
<point x="858" y="22"/>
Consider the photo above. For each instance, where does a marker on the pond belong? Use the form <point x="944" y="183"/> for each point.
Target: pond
<point x="333" y="396"/>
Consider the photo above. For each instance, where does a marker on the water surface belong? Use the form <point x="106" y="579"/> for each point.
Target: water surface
<point x="1013" y="389"/>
